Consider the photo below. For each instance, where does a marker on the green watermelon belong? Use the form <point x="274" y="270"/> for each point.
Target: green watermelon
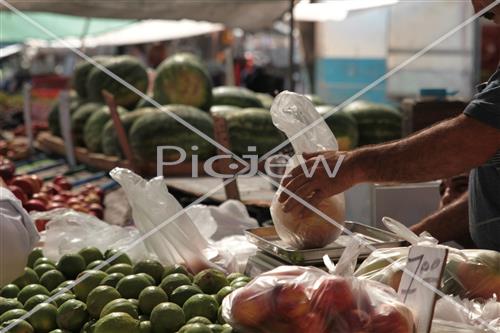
<point x="317" y="101"/>
<point x="78" y="120"/>
<point x="144" y="104"/>
<point x="343" y="126"/>
<point x="236" y="96"/>
<point x="93" y="129"/>
<point x="81" y="73"/>
<point x="127" y="68"/>
<point x="219" y="109"/>
<point x="252" y="127"/>
<point x="110" y="143"/>
<point x="53" y="118"/>
<point x="160" y="129"/>
<point x="183" y="79"/>
<point x="377" y="123"/>
<point x="265" y="99"/>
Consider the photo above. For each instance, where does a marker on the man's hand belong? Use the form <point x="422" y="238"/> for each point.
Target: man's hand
<point x="321" y="183"/>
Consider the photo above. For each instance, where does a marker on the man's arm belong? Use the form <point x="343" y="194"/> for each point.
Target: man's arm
<point x="446" y="149"/>
<point x="451" y="223"/>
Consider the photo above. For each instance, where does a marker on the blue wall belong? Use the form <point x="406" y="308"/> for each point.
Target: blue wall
<point x="337" y="79"/>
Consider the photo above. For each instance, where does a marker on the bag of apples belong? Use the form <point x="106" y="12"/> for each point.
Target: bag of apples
<point x="294" y="299"/>
<point x="293" y="113"/>
<point x="468" y="273"/>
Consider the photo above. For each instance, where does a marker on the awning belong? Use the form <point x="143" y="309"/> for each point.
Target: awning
<point x="245" y="14"/>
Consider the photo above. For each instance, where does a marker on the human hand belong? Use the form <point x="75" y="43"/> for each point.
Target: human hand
<point x="320" y="176"/>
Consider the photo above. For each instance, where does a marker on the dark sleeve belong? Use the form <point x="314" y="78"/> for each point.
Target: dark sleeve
<point x="485" y="107"/>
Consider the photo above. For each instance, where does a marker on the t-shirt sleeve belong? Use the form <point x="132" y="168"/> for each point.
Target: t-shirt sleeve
<point x="485" y="106"/>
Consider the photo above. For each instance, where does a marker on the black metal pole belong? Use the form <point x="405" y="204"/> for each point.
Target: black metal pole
<point x="291" y="52"/>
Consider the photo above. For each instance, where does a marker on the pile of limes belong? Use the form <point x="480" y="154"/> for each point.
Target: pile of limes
<point x="92" y="292"/>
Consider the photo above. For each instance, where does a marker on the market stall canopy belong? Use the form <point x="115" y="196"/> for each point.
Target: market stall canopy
<point x="16" y="29"/>
<point x="245" y="14"/>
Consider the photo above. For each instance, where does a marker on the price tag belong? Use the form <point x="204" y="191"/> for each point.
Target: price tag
<point x="422" y="276"/>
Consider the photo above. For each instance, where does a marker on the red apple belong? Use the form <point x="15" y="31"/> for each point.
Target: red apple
<point x="311" y="323"/>
<point x="388" y="318"/>
<point x="24" y="184"/>
<point x="38" y="180"/>
<point x="291" y="301"/>
<point x="35" y="205"/>
<point x="356" y="321"/>
<point x="42" y="197"/>
<point x="73" y="201"/>
<point x="41" y="225"/>
<point x="332" y="296"/>
<point x="97" y="210"/>
<point x="59" y="198"/>
<point x="19" y="193"/>
<point x="251" y="306"/>
<point x="55" y="205"/>
<point x="49" y="189"/>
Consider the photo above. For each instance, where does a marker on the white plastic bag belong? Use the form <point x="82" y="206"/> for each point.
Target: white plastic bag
<point x="291" y="114"/>
<point x="232" y="219"/>
<point x="68" y="231"/>
<point x="167" y="229"/>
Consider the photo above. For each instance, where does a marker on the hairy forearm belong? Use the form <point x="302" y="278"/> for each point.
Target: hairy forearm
<point x="448" y="224"/>
<point x="446" y="149"/>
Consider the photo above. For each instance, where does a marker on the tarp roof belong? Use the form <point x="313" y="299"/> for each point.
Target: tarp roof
<point x="245" y="14"/>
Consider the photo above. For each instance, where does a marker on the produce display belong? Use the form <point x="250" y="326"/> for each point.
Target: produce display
<point x="183" y="79"/>
<point x="343" y="125"/>
<point x="377" y="123"/>
<point x="92" y="132"/>
<point x="236" y="96"/>
<point x="309" y="300"/>
<point x="116" y="296"/>
<point x="79" y="119"/>
<point x="81" y="74"/>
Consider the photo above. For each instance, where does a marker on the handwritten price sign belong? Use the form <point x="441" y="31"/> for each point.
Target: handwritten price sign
<point x="423" y="274"/>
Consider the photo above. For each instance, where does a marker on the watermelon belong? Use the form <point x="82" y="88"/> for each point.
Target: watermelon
<point x="81" y="73"/>
<point x="252" y="127"/>
<point x="93" y="129"/>
<point x="265" y="99"/>
<point x="78" y="120"/>
<point x="219" y="109"/>
<point x="144" y="104"/>
<point x="343" y="126"/>
<point x="127" y="68"/>
<point x="110" y="143"/>
<point x="183" y="79"/>
<point x="53" y="118"/>
<point x="377" y="123"/>
<point x="317" y="101"/>
<point x="161" y="129"/>
<point x="236" y="96"/>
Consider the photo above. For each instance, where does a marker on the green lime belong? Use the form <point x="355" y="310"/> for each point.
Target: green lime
<point x="210" y="281"/>
<point x="91" y="254"/>
<point x="72" y="315"/>
<point x="151" y="267"/>
<point x="21" y="326"/>
<point x="120" y="305"/>
<point x="44" y="260"/>
<point x="145" y="326"/>
<point x="223" y="293"/>
<point x="117" y="323"/>
<point x="121" y="258"/>
<point x="33" y="301"/>
<point x="172" y="269"/>
<point x="148" y="277"/>
<point x="43" y="319"/>
<point x="151" y="297"/>
<point x="34" y="255"/>
<point x="52" y="279"/>
<point x="216" y="328"/>
<point x="9" y="291"/>
<point x="29" y="277"/>
<point x="92" y="279"/>
<point x="67" y="283"/>
<point x="112" y="279"/>
<point x="71" y="265"/>
<point x="181" y="294"/>
<point x="233" y="276"/>
<point x="63" y="298"/>
<point x="132" y="285"/>
<point x="125" y="269"/>
<point x="43" y="268"/>
<point x="172" y="281"/>
<point x="7" y="304"/>
<point x="201" y="305"/>
<point x="195" y="328"/>
<point x="199" y="320"/>
<point x="12" y="314"/>
<point x="31" y="290"/>
<point x="241" y="279"/>
<point x="98" y="263"/>
<point x="167" y="318"/>
<point x="238" y="284"/>
<point x="99" y="297"/>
